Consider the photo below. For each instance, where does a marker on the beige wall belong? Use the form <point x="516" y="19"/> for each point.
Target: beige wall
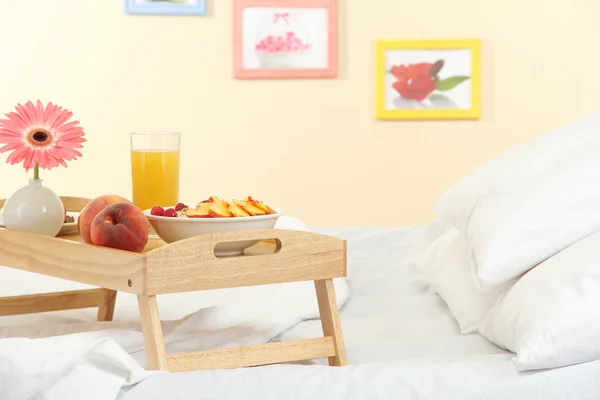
<point x="312" y="147"/>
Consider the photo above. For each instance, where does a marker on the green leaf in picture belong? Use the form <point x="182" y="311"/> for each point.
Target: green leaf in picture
<point x="450" y="83"/>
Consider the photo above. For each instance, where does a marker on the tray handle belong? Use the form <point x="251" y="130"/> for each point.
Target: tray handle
<point x="287" y="241"/>
<point x="279" y="238"/>
<point x="191" y="264"/>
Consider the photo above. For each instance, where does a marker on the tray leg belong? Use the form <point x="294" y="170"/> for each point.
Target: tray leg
<point x="330" y="320"/>
<point x="106" y="309"/>
<point x="153" y="335"/>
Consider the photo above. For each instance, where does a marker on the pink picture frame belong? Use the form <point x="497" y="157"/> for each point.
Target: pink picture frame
<point x="285" y="39"/>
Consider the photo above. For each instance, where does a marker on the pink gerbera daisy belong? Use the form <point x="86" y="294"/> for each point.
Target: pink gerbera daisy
<point x="40" y="137"/>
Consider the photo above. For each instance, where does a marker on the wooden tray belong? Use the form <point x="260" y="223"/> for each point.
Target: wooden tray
<point x="184" y="266"/>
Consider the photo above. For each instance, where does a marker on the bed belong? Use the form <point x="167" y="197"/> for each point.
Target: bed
<point x="402" y="342"/>
<point x="497" y="299"/>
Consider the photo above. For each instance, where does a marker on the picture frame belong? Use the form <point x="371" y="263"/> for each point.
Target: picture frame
<point x="166" y="7"/>
<point x="285" y="39"/>
<point x="428" y="79"/>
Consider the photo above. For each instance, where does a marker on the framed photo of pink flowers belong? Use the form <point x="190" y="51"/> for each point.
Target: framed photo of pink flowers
<point x="428" y="79"/>
<point x="285" y="39"/>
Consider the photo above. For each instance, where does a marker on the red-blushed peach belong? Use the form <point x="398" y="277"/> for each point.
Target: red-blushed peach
<point x="236" y="210"/>
<point x="249" y="208"/>
<point x="201" y="211"/>
<point x="218" y="209"/>
<point x="260" y="205"/>
<point x="89" y="212"/>
<point x="120" y="226"/>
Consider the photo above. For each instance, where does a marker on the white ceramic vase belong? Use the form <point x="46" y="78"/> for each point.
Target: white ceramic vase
<point x="35" y="209"/>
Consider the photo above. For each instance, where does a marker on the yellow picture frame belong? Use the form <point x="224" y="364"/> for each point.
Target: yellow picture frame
<point x="402" y="99"/>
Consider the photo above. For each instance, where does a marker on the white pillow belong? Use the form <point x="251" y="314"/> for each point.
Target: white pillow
<point x="521" y="164"/>
<point x="551" y="316"/>
<point x="431" y="259"/>
<point x="513" y="231"/>
<point x="448" y="264"/>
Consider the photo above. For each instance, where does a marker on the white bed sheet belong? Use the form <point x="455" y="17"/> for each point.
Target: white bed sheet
<point x="402" y="343"/>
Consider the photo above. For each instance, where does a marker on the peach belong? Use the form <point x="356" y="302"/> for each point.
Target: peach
<point x="218" y="209"/>
<point x="260" y="204"/>
<point x="237" y="211"/>
<point x="120" y="226"/>
<point x="89" y="212"/>
<point x="249" y="208"/>
<point x="201" y="211"/>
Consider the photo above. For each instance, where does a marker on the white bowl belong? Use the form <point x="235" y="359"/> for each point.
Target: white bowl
<point x="171" y="229"/>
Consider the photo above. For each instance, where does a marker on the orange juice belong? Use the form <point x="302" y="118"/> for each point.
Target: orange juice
<point x="155" y="178"/>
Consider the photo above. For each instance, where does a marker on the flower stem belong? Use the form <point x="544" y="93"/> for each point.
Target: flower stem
<point x="36" y="172"/>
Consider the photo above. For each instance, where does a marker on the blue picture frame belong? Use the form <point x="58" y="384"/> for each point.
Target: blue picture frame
<point x="165" y="8"/>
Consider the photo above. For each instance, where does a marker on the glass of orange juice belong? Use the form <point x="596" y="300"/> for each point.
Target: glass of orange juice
<point x="155" y="168"/>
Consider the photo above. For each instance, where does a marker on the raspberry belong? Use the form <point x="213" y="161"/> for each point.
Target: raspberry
<point x="180" y="206"/>
<point x="170" y="212"/>
<point x="158" y="211"/>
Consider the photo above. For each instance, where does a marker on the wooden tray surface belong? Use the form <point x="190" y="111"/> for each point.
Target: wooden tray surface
<point x="186" y="265"/>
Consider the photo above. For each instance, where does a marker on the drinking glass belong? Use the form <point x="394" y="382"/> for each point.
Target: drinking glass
<point x="155" y="168"/>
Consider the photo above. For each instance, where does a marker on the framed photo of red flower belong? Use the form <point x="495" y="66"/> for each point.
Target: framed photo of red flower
<point x="428" y="79"/>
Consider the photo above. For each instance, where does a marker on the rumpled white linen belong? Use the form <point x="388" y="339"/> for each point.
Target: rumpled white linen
<point x="53" y="362"/>
<point x="68" y="355"/>
<point x="78" y="366"/>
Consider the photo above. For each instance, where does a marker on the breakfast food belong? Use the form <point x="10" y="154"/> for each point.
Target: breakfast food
<point x="260" y="205"/>
<point x="215" y="207"/>
<point x="68" y="218"/>
<point x="218" y="208"/>
<point x="237" y="211"/>
<point x="180" y="207"/>
<point x="202" y="210"/>
<point x="87" y="215"/>
<point x="120" y="226"/>
<point x="249" y="208"/>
